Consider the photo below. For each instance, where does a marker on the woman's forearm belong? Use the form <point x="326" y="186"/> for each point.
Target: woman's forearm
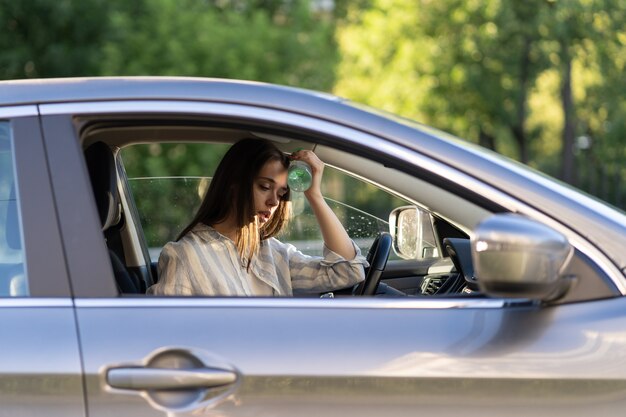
<point x="335" y="236"/>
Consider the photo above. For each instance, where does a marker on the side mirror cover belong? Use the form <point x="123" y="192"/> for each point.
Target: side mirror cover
<point x="515" y="256"/>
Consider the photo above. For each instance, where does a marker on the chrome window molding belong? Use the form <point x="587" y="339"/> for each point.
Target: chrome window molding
<point x="358" y="138"/>
<point x="18" y="111"/>
<point x="35" y="302"/>
<point x="308" y="303"/>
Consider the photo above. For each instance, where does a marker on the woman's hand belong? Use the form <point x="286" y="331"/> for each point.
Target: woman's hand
<point x="335" y="236"/>
<point x="317" y="169"/>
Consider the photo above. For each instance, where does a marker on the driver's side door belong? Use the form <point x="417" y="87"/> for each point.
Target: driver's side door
<point x="407" y="356"/>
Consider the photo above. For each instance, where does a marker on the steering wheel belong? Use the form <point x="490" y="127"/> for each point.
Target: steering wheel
<point x="377" y="258"/>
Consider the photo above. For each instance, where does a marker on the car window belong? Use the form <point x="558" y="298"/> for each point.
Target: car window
<point x="168" y="189"/>
<point x="12" y="272"/>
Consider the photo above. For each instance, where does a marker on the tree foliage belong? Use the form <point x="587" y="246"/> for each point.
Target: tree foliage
<point x="525" y="78"/>
<point x="276" y="41"/>
<point x="43" y="38"/>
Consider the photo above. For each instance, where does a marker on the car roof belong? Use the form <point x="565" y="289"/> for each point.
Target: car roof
<point x="61" y="90"/>
<point x="599" y="223"/>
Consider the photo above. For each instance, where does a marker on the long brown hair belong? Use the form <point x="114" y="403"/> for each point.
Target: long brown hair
<point x="231" y="191"/>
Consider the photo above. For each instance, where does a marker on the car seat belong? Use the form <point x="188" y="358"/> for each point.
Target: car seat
<point x="103" y="176"/>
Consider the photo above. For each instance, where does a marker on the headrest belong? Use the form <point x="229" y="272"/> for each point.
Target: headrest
<point x="103" y="175"/>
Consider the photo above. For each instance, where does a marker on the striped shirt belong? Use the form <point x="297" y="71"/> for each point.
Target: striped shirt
<point x="204" y="262"/>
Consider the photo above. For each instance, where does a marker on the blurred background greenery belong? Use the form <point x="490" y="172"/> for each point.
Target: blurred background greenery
<point x="537" y="80"/>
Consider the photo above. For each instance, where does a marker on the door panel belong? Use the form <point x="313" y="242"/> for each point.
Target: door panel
<point x="40" y="364"/>
<point x="306" y="358"/>
<point x="46" y="271"/>
<point x="40" y="369"/>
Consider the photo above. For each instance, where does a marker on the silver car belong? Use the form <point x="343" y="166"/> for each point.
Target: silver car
<point x="493" y="290"/>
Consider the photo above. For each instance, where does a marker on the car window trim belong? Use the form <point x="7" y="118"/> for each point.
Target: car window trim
<point x="295" y="302"/>
<point x="357" y="138"/>
<point x="18" y="111"/>
<point x="30" y="302"/>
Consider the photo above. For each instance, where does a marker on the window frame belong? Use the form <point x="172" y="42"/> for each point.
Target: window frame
<point x="44" y="259"/>
<point x="368" y="144"/>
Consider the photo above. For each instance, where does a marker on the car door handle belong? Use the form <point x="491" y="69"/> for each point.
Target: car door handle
<point x="144" y="379"/>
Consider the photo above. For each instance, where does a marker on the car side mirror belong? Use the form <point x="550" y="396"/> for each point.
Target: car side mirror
<point x="413" y="233"/>
<point x="515" y="256"/>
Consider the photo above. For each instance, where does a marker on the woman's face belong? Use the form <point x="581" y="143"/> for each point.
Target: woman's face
<point x="268" y="189"/>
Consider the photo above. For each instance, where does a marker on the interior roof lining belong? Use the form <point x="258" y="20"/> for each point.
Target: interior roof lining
<point x="121" y="136"/>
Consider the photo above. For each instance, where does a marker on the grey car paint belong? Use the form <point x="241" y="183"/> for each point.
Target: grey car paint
<point x="40" y="370"/>
<point x="40" y="365"/>
<point x="324" y="360"/>
<point x="315" y="357"/>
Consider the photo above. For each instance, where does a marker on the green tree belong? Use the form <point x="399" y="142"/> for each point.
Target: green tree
<point x="524" y="78"/>
<point x="275" y="41"/>
<point x="597" y="49"/>
<point x="464" y="66"/>
<point x="43" y="38"/>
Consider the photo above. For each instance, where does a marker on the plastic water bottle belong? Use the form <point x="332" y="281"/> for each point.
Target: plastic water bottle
<point x="299" y="176"/>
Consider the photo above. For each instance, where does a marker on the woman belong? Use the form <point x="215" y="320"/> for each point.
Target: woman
<point x="229" y="248"/>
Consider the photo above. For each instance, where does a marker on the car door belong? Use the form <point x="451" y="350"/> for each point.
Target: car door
<point x="153" y="356"/>
<point x="40" y="366"/>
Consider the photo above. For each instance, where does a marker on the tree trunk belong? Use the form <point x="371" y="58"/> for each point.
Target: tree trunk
<point x="518" y="129"/>
<point x="618" y="189"/>
<point x="486" y="140"/>
<point x="568" y="173"/>
<point x="522" y="143"/>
